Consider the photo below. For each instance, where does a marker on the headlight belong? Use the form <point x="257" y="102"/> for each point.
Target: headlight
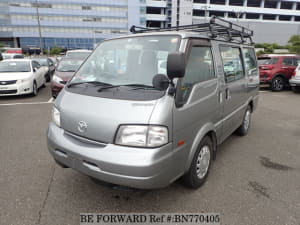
<point x="57" y="79"/>
<point x="142" y="135"/>
<point x="24" y="80"/>
<point x="56" y="116"/>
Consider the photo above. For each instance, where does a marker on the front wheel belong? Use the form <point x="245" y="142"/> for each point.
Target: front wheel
<point x="198" y="172"/>
<point x="34" y="89"/>
<point x="244" y="128"/>
<point x="277" y="84"/>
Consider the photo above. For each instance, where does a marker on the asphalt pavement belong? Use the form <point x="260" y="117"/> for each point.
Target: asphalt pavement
<point x="254" y="180"/>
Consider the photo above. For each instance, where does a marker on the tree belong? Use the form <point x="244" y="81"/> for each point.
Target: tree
<point x="1" y="46"/>
<point x="56" y="50"/>
<point x="295" y="44"/>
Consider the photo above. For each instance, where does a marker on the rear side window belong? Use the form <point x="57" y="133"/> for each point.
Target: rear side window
<point x="250" y="60"/>
<point x="296" y="61"/>
<point x="267" y="61"/>
<point x="232" y="63"/>
<point x="288" y="62"/>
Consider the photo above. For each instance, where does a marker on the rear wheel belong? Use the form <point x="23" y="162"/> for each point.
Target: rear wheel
<point x="198" y="172"/>
<point x="244" y="128"/>
<point x="278" y="83"/>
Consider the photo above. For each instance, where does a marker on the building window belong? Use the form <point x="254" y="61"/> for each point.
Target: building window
<point x="41" y="5"/>
<point x="199" y="13"/>
<point x="200" y="1"/>
<point x="86" y="8"/>
<point x="236" y="2"/>
<point x="297" y="18"/>
<point x="254" y="3"/>
<point x="269" y="17"/>
<point x="285" y="18"/>
<point x="217" y="2"/>
<point x="252" y="16"/>
<point x="271" y="4"/>
<point x="286" y="5"/>
<point x="153" y="10"/>
<point x="216" y="13"/>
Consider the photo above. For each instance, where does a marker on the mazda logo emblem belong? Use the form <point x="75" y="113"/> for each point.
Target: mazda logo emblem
<point x="82" y="126"/>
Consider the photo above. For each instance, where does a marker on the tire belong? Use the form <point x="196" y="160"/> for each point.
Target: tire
<point x="48" y="77"/>
<point x="34" y="89"/>
<point x="278" y="83"/>
<point x="244" y="128"/>
<point x="196" y="176"/>
<point x="296" y="89"/>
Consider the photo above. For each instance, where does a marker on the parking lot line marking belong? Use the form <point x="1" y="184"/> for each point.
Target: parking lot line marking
<point x="51" y="100"/>
<point x="263" y="91"/>
<point x="25" y="103"/>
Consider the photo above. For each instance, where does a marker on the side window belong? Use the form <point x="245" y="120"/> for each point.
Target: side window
<point x="296" y="61"/>
<point x="232" y="63"/>
<point x="35" y="65"/>
<point x="288" y="61"/>
<point x="250" y="61"/>
<point x="199" y="68"/>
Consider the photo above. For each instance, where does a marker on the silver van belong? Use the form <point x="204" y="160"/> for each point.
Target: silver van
<point x="146" y="109"/>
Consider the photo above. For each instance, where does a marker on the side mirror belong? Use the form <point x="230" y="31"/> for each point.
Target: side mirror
<point x="160" y="82"/>
<point x="34" y="69"/>
<point x="176" y="65"/>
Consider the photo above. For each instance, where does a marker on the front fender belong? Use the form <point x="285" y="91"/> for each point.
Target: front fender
<point x="201" y="133"/>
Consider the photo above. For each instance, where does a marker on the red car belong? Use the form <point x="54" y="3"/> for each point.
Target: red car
<point x="63" y="73"/>
<point x="276" y="70"/>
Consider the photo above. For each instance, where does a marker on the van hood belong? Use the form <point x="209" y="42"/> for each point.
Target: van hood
<point x="14" y="76"/>
<point x="102" y="116"/>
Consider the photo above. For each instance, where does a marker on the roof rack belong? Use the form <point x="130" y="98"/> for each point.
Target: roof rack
<point x="217" y="28"/>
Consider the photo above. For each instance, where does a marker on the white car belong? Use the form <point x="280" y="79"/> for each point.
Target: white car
<point x="295" y="80"/>
<point x="21" y="76"/>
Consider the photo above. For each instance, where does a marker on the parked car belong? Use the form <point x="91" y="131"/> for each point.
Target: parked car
<point x="78" y="53"/>
<point x="65" y="70"/>
<point x="295" y="80"/>
<point x="1" y="57"/>
<point x="12" y="56"/>
<point x="119" y="121"/>
<point x="48" y="65"/>
<point x="276" y="70"/>
<point x="20" y="76"/>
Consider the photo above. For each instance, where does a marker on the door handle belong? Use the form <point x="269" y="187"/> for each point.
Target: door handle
<point x="284" y="67"/>
<point x="227" y="94"/>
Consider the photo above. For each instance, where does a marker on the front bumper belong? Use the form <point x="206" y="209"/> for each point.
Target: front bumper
<point x="16" y="89"/>
<point x="56" y="88"/>
<point x="295" y="82"/>
<point x="128" y="166"/>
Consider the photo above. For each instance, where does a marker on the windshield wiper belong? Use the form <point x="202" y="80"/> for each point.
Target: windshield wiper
<point x="139" y="86"/>
<point x="96" y="83"/>
<point x="108" y="87"/>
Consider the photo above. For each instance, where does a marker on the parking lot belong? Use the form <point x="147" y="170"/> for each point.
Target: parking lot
<point x="254" y="180"/>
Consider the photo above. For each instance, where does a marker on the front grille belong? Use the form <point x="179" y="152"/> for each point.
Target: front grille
<point x="6" y="92"/>
<point x="63" y="82"/>
<point x="8" y="82"/>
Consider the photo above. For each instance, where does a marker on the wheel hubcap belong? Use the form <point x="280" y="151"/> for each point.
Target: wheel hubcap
<point x="34" y="88"/>
<point x="278" y="84"/>
<point x="203" y="161"/>
<point x="247" y="120"/>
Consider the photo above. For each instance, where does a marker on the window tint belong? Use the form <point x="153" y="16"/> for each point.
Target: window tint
<point x="35" y="64"/>
<point x="250" y="60"/>
<point x="232" y="63"/>
<point x="288" y="61"/>
<point x="199" y="68"/>
<point x="296" y="61"/>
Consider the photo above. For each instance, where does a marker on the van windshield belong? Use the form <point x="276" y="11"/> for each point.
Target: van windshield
<point x="132" y="60"/>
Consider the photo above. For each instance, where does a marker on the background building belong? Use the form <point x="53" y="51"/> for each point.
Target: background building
<point x="83" y="23"/>
<point x="273" y="21"/>
<point x="67" y="23"/>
